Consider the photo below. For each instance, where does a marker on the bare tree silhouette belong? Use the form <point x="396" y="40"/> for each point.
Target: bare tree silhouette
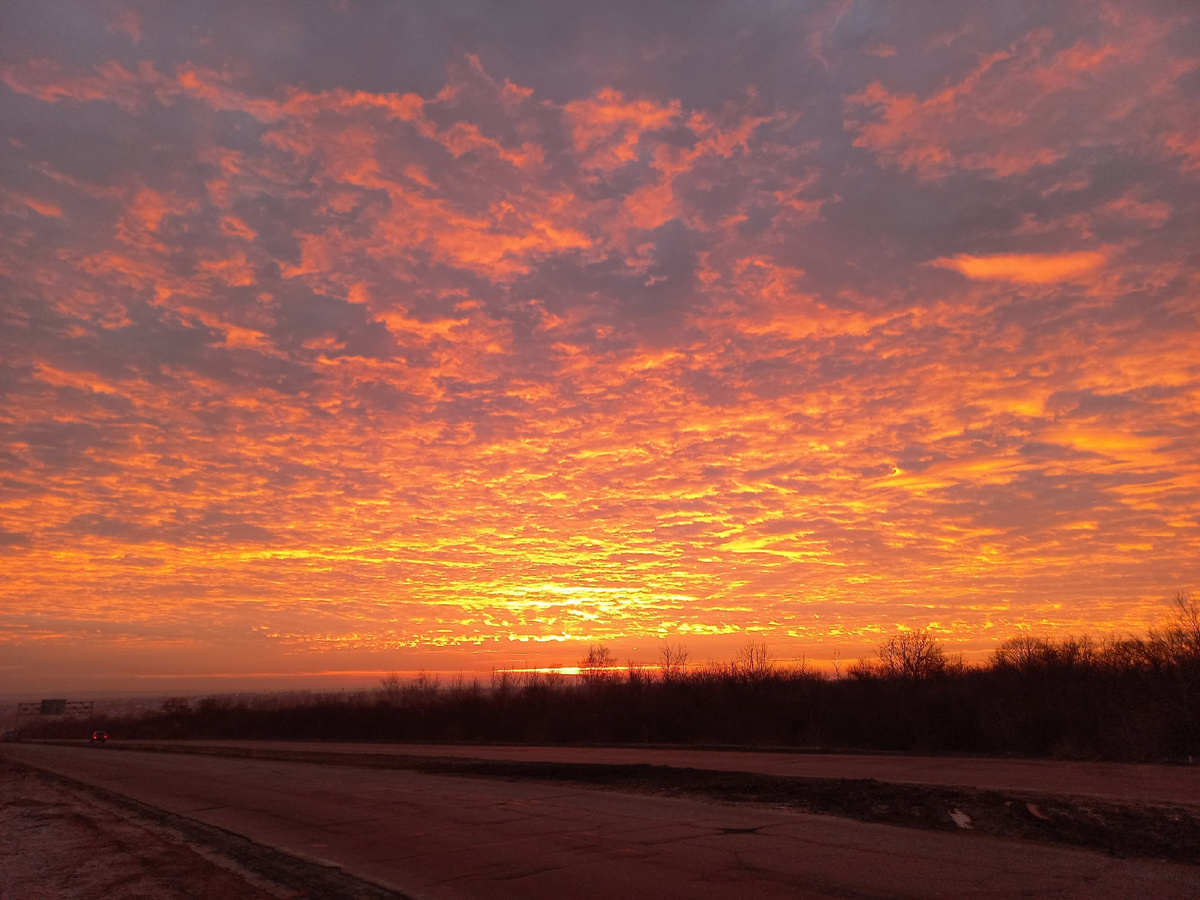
<point x="753" y="662"/>
<point x="390" y="689"/>
<point x="598" y="665"/>
<point x="672" y="662"/>
<point x="910" y="654"/>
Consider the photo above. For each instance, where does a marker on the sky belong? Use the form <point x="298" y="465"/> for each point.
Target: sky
<point x="348" y="338"/>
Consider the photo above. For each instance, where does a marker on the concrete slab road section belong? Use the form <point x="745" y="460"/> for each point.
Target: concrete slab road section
<point x="448" y="838"/>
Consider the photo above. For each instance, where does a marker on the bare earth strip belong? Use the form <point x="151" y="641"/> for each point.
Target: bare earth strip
<point x="1139" y="783"/>
<point x="55" y="844"/>
<point x="61" y="840"/>
<point x="453" y="838"/>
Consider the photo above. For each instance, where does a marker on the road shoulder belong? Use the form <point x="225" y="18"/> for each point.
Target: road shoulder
<point x="61" y="838"/>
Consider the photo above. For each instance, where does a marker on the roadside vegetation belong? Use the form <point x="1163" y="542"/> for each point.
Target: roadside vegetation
<point x="1131" y="698"/>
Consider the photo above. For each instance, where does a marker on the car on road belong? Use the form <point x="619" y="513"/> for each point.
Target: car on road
<point x="99" y="737"/>
<point x="10" y="737"/>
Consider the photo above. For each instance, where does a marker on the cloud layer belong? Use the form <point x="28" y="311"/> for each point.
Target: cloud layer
<point x="355" y="330"/>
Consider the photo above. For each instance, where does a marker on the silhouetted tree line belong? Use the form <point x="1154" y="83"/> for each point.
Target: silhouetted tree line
<point x="1133" y="698"/>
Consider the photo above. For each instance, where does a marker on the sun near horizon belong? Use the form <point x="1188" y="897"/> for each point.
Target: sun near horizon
<point x="336" y="342"/>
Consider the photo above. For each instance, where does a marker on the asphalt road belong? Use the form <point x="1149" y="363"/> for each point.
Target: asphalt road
<point x="449" y="838"/>
<point x="1113" y="781"/>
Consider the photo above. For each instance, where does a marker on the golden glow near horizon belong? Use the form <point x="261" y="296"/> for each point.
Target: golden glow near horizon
<point x="326" y="354"/>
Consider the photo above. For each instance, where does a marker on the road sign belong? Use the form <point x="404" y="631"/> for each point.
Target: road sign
<point x="56" y="708"/>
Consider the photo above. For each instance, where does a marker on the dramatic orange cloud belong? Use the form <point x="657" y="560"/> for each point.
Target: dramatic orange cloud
<point x="453" y="351"/>
<point x="1016" y="108"/>
<point x="1033" y="268"/>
